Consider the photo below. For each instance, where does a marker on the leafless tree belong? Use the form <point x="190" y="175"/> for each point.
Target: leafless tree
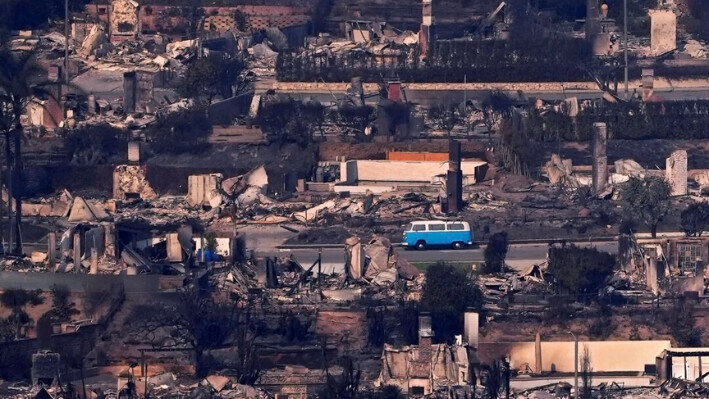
<point x="586" y="374"/>
<point x="198" y="322"/>
<point x="347" y="385"/>
<point x="445" y="116"/>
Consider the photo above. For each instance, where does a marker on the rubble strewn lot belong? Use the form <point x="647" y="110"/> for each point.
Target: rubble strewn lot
<point x="167" y="209"/>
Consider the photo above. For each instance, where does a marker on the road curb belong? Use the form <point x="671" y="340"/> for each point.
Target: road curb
<point x="311" y="246"/>
<point x="483" y="244"/>
<point x="477" y="244"/>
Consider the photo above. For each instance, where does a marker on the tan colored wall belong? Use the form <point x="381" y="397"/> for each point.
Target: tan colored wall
<point x="406" y="171"/>
<point x="663" y="31"/>
<point x="346" y="327"/>
<point x="606" y="356"/>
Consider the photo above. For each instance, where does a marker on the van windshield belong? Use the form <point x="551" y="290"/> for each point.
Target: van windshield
<point x="408" y="227"/>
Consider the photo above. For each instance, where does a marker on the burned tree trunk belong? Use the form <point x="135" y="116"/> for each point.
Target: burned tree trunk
<point x="199" y="368"/>
<point x="17" y="185"/>
<point x="8" y="166"/>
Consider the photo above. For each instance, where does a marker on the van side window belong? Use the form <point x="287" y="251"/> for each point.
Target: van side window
<point x="419" y="227"/>
<point x="437" y="227"/>
<point x="456" y="226"/>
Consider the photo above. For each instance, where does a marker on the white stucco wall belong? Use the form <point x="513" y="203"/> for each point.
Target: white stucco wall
<point x="606" y="356"/>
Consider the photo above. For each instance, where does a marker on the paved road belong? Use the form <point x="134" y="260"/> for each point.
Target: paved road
<point x="519" y="256"/>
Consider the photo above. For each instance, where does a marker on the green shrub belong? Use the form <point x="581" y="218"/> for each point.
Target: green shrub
<point x="447" y="293"/>
<point x="580" y="270"/>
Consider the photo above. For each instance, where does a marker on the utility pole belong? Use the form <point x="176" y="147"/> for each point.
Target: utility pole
<point x="576" y="365"/>
<point x="66" y="41"/>
<point x="66" y="62"/>
<point x="465" y="90"/>
<point x="625" y="43"/>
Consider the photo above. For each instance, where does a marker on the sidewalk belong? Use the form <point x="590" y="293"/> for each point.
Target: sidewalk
<point x="530" y="241"/>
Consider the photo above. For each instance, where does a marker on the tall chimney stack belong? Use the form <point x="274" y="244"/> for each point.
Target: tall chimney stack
<point x="425" y="337"/>
<point x="426" y="31"/>
<point x="471" y="328"/>
<point x="593" y="19"/>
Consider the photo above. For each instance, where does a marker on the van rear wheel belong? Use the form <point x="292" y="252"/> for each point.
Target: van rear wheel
<point x="458" y="245"/>
<point x="421" y="245"/>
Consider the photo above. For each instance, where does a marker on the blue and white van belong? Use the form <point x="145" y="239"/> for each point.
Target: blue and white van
<point x="425" y="233"/>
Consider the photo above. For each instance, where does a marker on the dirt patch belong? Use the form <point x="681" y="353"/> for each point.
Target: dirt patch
<point x="327" y="235"/>
<point x="332" y="149"/>
<point x="628" y="327"/>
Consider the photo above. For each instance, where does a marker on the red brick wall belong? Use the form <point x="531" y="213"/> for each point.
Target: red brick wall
<point x="425" y="350"/>
<point x="417" y="156"/>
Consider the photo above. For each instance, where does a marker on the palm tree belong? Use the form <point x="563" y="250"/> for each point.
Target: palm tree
<point x="22" y="82"/>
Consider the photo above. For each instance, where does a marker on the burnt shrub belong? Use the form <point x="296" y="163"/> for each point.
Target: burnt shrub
<point x="181" y="132"/>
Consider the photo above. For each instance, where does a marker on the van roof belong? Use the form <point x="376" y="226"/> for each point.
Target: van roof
<point x="437" y="221"/>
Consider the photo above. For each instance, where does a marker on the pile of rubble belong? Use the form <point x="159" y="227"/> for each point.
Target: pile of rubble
<point x="560" y="171"/>
<point x="384" y="265"/>
<point x="152" y="52"/>
<point x="670" y="389"/>
<point x="165" y="385"/>
<point x="220" y="203"/>
<point x="484" y="201"/>
<point x="676" y="388"/>
<point x="500" y="289"/>
<point x="371" y="37"/>
<point x="213" y="386"/>
<point x="373" y="268"/>
<point x="27" y="40"/>
<point x="391" y="205"/>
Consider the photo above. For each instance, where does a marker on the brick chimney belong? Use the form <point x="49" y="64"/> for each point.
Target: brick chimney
<point x="426" y="30"/>
<point x="593" y="19"/>
<point x="425" y="337"/>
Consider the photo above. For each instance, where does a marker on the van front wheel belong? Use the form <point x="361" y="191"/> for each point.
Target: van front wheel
<point x="421" y="245"/>
<point x="458" y="245"/>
